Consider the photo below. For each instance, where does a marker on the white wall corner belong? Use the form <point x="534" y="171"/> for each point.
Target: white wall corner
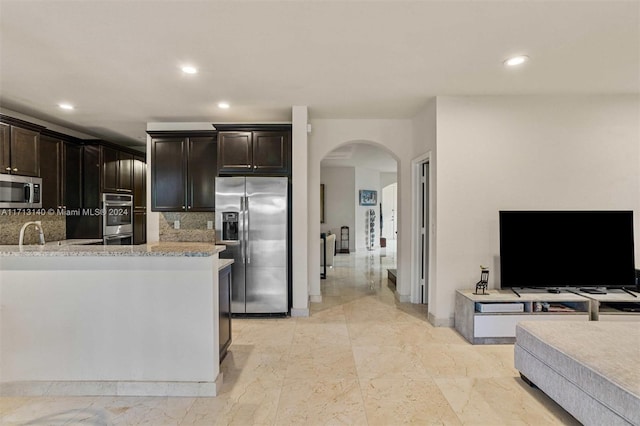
<point x="300" y="221"/>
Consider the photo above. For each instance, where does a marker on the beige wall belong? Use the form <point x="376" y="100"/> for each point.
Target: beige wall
<point x="525" y="152"/>
<point x="394" y="136"/>
<point x="339" y="202"/>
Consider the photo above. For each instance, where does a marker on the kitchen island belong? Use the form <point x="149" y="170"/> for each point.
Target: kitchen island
<point x="109" y="320"/>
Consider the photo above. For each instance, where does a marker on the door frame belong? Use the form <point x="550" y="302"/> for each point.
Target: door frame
<point x="416" y="212"/>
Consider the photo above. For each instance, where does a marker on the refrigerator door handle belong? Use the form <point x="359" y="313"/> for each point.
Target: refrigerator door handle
<point x="246" y="204"/>
<point x="241" y="236"/>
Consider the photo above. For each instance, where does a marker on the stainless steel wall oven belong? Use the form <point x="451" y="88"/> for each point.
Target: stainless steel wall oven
<point x="117" y="221"/>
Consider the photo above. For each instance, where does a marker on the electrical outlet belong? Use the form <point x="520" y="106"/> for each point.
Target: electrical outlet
<point x="176" y="224"/>
<point x="209" y="224"/>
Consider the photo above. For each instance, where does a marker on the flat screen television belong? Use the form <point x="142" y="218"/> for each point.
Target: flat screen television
<point x="566" y="249"/>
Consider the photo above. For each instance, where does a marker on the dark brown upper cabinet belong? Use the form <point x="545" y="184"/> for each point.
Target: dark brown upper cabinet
<point x="60" y="170"/>
<point x="73" y="180"/>
<point x="262" y="150"/>
<point x="139" y="183"/>
<point x="5" y="148"/>
<point x="271" y="152"/>
<point x="52" y="172"/>
<point x="125" y="172"/>
<point x="109" y="169"/>
<point x="168" y="174"/>
<point x="117" y="170"/>
<point x="201" y="173"/>
<point x="235" y="153"/>
<point x="91" y="174"/>
<point x="183" y="171"/>
<point x="19" y="147"/>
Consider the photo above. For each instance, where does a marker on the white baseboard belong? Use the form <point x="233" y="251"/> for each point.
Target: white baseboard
<point x="440" y="322"/>
<point x="295" y="312"/>
<point x="111" y="388"/>
<point x="403" y="298"/>
<point x="315" y="298"/>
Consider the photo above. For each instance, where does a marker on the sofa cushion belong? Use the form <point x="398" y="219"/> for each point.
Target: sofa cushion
<point x="601" y="358"/>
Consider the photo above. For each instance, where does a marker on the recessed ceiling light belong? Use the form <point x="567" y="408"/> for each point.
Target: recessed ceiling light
<point x="516" y="60"/>
<point x="223" y="105"/>
<point x="66" y="106"/>
<point x="188" y="69"/>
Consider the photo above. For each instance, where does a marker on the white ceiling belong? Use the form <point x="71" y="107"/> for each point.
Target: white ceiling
<point x="118" y="61"/>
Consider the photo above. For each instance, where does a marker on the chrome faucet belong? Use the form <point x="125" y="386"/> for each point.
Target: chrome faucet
<point x="38" y="225"/>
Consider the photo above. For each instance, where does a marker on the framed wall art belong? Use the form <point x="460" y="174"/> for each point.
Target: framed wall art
<point x="368" y="198"/>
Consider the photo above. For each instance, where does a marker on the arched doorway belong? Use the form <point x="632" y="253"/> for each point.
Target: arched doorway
<point x="394" y="137"/>
<point x="358" y="258"/>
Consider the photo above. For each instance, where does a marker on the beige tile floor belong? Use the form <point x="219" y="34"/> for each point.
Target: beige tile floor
<point x="361" y="358"/>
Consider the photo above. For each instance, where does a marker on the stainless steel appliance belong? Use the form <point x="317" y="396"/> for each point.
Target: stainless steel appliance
<point x="117" y="219"/>
<point x="252" y="221"/>
<point x="20" y="192"/>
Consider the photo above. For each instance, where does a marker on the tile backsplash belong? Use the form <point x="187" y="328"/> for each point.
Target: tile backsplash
<point x="53" y="225"/>
<point x="193" y="227"/>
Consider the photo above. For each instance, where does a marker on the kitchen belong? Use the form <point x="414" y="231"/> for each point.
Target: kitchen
<point x="181" y="195"/>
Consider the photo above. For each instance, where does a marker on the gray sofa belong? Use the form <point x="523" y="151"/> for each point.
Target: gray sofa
<point x="592" y="369"/>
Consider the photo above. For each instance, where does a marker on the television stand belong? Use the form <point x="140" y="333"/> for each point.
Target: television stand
<point x="492" y="319"/>
<point x="615" y="305"/>
<point x="591" y="290"/>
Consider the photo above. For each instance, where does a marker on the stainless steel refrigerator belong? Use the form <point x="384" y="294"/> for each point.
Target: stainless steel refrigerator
<point x="252" y="221"/>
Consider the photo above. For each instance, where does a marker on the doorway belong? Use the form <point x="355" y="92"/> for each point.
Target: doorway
<point x="359" y="182"/>
<point x="422" y="220"/>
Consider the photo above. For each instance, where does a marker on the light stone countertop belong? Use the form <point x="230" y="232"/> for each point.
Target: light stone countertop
<point x="166" y="249"/>
<point x="223" y="263"/>
<point x="72" y="242"/>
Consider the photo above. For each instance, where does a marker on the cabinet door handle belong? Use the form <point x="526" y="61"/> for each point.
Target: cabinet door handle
<point x="8" y="169"/>
<point x="182" y="207"/>
<point x="15" y="169"/>
<point x="189" y="206"/>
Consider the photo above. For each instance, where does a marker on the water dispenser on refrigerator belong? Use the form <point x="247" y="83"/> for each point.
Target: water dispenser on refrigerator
<point x="230" y="226"/>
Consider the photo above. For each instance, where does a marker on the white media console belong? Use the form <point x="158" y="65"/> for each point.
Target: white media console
<point x="492" y="318"/>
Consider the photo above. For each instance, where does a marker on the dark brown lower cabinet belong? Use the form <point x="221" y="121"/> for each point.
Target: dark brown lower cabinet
<point x="139" y="227"/>
<point x="224" y="295"/>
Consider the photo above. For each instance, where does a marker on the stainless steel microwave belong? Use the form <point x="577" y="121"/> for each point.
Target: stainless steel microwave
<point x="20" y="192"/>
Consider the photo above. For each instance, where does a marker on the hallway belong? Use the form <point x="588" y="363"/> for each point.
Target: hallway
<point x="361" y="358"/>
